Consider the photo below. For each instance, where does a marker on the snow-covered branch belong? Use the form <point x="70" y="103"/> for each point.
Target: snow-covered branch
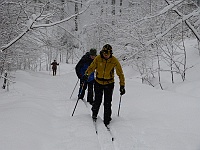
<point x="13" y="41"/>
<point x="58" y="22"/>
<point x="166" y="9"/>
<point x="183" y="19"/>
<point x="171" y="27"/>
<point x="31" y="25"/>
<point x="191" y="27"/>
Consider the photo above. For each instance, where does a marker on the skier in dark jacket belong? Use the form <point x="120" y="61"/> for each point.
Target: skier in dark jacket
<point x="81" y="67"/>
<point x="54" y="67"/>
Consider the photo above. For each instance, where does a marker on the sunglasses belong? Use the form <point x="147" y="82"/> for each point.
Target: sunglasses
<point x="106" y="52"/>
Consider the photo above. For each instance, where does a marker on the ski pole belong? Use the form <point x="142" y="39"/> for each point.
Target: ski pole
<point x="74" y="89"/>
<point x="78" y="98"/>
<point x="119" y="104"/>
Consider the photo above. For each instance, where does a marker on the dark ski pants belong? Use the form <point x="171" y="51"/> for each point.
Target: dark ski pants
<point x="107" y="90"/>
<point x="54" y="72"/>
<point x="89" y="86"/>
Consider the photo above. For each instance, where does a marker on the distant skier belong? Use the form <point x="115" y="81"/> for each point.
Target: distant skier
<point x="104" y="65"/>
<point x="81" y="67"/>
<point x="54" y="67"/>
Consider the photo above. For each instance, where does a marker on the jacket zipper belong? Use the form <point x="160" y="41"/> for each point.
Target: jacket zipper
<point x="104" y="70"/>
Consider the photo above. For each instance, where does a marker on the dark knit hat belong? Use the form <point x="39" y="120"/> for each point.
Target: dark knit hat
<point x="107" y="49"/>
<point x="93" y="52"/>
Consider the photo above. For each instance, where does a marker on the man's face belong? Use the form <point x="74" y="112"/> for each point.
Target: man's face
<point x="106" y="54"/>
<point x="92" y="57"/>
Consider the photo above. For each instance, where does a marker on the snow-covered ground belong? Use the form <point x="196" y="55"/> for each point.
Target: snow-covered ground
<point x="35" y="114"/>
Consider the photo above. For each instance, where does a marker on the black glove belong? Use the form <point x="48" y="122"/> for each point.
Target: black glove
<point x="80" y="76"/>
<point x="85" y="77"/>
<point x="122" y="90"/>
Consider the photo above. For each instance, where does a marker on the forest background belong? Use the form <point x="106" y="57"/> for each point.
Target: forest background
<point x="157" y="43"/>
<point x="147" y="35"/>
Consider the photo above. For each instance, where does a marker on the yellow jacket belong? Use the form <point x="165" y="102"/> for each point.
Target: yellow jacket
<point x="105" y="70"/>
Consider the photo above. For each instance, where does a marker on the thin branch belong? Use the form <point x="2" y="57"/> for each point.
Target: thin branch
<point x="58" y="22"/>
<point x="32" y="26"/>
<point x="187" y="22"/>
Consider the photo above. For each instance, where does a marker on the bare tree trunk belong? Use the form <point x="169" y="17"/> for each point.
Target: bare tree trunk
<point x="67" y="57"/>
<point x="198" y="42"/>
<point x="159" y="76"/>
<point x="184" y="62"/>
<point x="5" y="80"/>
<point x="120" y="7"/>
<point x="113" y="10"/>
<point x="171" y="60"/>
<point x="72" y="56"/>
<point x="171" y="70"/>
<point x="40" y="65"/>
<point x="76" y="18"/>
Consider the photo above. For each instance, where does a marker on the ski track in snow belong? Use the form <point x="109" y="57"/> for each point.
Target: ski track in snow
<point x="53" y="92"/>
<point x="36" y="115"/>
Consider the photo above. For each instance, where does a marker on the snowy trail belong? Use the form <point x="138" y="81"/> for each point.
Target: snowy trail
<point x="46" y="99"/>
<point x="77" y="128"/>
<point x="106" y="140"/>
<point x="36" y="115"/>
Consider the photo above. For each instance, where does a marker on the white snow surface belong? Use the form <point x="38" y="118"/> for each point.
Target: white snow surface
<point x="35" y="114"/>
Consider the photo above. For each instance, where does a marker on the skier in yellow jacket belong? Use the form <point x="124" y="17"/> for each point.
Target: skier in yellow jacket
<point x="104" y="65"/>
